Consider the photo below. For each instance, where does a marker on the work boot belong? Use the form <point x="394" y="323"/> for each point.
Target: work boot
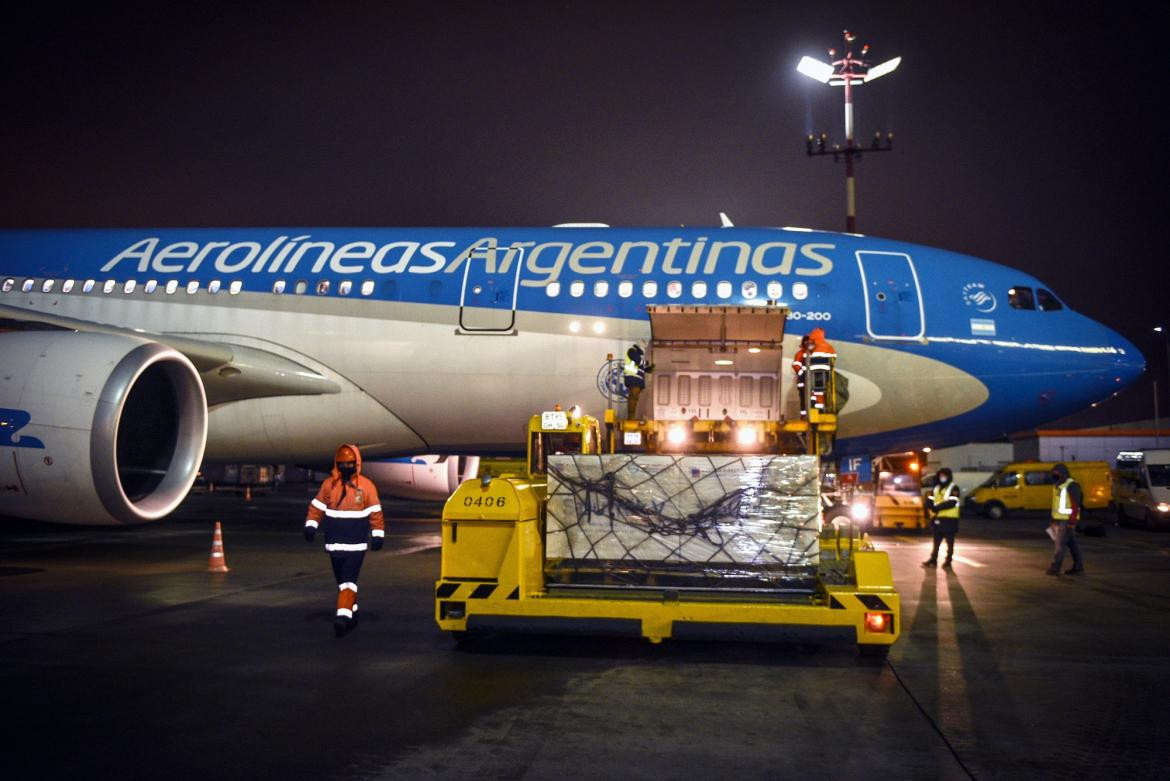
<point x="1052" y="571"/>
<point x="1076" y="569"/>
<point x="947" y="564"/>
<point x="930" y="563"/>
<point x="340" y="626"/>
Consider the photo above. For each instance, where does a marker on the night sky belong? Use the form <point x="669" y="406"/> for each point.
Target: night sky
<point x="1027" y="135"/>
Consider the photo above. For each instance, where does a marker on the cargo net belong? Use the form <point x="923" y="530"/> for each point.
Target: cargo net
<point x="726" y="522"/>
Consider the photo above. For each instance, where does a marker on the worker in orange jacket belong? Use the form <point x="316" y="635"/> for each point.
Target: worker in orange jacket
<point x="348" y="506"/>
<point x="820" y="360"/>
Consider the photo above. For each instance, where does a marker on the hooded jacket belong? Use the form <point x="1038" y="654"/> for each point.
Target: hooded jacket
<point x="349" y="510"/>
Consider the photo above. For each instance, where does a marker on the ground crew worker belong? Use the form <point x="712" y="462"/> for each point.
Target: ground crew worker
<point x="1067" y="503"/>
<point x="943" y="506"/>
<point x="348" y="505"/>
<point x="820" y="362"/>
<point x="800" y="368"/>
<point x="634" y="375"/>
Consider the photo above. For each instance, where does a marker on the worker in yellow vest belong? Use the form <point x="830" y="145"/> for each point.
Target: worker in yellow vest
<point x="943" y="507"/>
<point x="1067" y="503"/>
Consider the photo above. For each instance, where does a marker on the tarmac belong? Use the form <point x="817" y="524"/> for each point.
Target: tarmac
<point x="122" y="656"/>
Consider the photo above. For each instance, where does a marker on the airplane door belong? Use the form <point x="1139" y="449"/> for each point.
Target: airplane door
<point x="893" y="297"/>
<point x="491" y="286"/>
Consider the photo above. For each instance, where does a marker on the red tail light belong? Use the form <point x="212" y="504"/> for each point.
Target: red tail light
<point x="878" y="622"/>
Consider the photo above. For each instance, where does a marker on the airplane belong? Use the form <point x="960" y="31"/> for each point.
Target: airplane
<point x="130" y="355"/>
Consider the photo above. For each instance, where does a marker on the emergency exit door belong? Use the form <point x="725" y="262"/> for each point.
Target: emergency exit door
<point x="491" y="288"/>
<point x="893" y="297"/>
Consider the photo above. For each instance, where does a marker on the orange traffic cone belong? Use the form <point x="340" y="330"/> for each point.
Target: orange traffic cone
<point x="217" y="562"/>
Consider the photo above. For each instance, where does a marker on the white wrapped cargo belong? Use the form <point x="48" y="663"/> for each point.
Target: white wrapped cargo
<point x="711" y="516"/>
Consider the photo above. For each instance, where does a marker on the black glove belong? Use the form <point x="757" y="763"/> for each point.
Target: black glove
<point x="310" y="533"/>
<point x="376" y="543"/>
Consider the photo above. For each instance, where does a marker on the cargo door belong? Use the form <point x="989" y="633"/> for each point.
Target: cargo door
<point x="491" y="286"/>
<point x="893" y="297"/>
<point x="716" y="361"/>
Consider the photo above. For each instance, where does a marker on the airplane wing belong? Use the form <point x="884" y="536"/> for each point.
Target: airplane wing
<point x="230" y="372"/>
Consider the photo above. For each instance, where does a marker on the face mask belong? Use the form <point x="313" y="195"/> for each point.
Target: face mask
<point x="1056" y="477"/>
<point x="943" y="479"/>
<point x="347" y="471"/>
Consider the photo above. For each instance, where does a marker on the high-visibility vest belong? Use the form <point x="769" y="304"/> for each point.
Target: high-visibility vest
<point x="939" y="496"/>
<point x="631" y="368"/>
<point x="1061" y="509"/>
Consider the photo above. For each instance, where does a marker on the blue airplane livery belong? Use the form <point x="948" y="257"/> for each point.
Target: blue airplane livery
<point x="131" y="355"/>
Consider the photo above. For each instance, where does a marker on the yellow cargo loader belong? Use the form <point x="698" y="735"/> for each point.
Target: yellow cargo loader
<point x="642" y="535"/>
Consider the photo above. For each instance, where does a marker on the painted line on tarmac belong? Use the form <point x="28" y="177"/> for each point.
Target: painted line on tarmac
<point x="423" y="542"/>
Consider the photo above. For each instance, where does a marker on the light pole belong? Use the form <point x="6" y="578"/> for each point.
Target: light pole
<point x="847" y="72"/>
<point x="1166" y="344"/>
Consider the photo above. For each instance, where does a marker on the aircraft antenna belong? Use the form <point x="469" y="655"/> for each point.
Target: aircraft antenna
<point x="847" y="71"/>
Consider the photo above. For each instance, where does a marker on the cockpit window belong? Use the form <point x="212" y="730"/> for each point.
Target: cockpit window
<point x="1047" y="301"/>
<point x="1021" y="298"/>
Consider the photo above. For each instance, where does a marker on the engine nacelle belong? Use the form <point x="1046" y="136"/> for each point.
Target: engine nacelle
<point x="97" y="428"/>
<point x="430" y="477"/>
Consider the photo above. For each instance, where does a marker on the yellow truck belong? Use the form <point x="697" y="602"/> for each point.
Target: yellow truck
<point x="1027" y="485"/>
<point x="669" y="527"/>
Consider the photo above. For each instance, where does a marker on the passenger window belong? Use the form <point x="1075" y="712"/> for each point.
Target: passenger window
<point x="47" y="286"/>
<point x="27" y="286"/>
<point x="150" y="286"/>
<point x="600" y="289"/>
<point x="278" y="286"/>
<point x="213" y="286"/>
<point x="344" y="287"/>
<point x="1038" y="478"/>
<point x="300" y="287"/>
<point x="129" y="286"/>
<point x="322" y="287"/>
<point x="799" y="291"/>
<point x="172" y="286"/>
<point x="723" y="289"/>
<point x="192" y="287"/>
<point x="649" y="289"/>
<point x="1047" y="301"/>
<point x="88" y="286"/>
<point x="674" y="289"/>
<point x="108" y="287"/>
<point x="625" y="288"/>
<point x="1021" y="298"/>
<point x="775" y="290"/>
<point x="577" y="289"/>
<point x="1008" y="480"/>
<point x="552" y="289"/>
<point x="698" y="290"/>
<point x="368" y="287"/>
<point x="67" y="286"/>
<point x="8" y="284"/>
<point x="748" y="289"/>
<point x="236" y="287"/>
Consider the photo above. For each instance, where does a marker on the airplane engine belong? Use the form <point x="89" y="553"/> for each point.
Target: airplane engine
<point x="430" y="477"/>
<point x="96" y="428"/>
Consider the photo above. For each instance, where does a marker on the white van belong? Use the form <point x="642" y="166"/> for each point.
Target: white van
<point x="1141" y="488"/>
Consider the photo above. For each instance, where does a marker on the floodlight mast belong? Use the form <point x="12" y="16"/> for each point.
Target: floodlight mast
<point x="846" y="72"/>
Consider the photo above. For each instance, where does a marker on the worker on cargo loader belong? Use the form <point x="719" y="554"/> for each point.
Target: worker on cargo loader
<point x="634" y="375"/>
<point x="943" y="506"/>
<point x="1067" y="501"/>
<point x="820" y="360"/>
<point x="800" y="369"/>
<point x="348" y="504"/>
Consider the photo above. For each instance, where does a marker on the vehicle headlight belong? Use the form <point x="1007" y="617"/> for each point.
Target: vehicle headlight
<point x="1163" y="507"/>
<point x="859" y="511"/>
